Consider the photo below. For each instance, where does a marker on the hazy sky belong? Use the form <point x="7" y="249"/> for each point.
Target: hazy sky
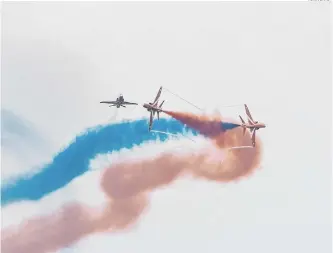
<point x="60" y="59"/>
<point x="22" y="146"/>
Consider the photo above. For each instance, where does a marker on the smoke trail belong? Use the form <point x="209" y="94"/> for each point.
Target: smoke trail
<point x="74" y="160"/>
<point x="70" y="224"/>
<point x="208" y="125"/>
<point x="127" y="185"/>
<point x="236" y="162"/>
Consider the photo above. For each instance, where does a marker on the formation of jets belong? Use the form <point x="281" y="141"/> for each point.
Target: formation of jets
<point x="154" y="108"/>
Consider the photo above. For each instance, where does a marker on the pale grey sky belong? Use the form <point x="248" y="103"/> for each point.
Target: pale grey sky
<point x="22" y="146"/>
<point x="59" y="60"/>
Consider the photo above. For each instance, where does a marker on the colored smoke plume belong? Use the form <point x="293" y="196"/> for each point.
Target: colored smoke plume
<point x="209" y="126"/>
<point x="69" y="224"/>
<point x="236" y="162"/>
<point x="128" y="179"/>
<point x="74" y="160"/>
<point x="125" y="184"/>
<point x="128" y="184"/>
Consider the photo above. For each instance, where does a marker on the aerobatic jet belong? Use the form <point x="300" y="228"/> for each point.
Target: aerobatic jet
<point x="120" y="101"/>
<point x="154" y="108"/>
<point x="252" y="125"/>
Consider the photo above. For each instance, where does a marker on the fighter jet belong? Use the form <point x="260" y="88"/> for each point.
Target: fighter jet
<point x="252" y="125"/>
<point x="119" y="102"/>
<point x="154" y="108"/>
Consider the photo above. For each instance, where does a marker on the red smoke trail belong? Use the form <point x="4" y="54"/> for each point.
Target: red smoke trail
<point x="209" y="126"/>
<point x="128" y="184"/>
<point x="236" y="162"/>
<point x="69" y="224"/>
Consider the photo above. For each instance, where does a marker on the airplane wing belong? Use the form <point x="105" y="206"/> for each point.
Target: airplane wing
<point x="129" y="103"/>
<point x="254" y="138"/>
<point x="249" y="114"/>
<point x="151" y="120"/>
<point x="109" y="102"/>
<point x="158" y="95"/>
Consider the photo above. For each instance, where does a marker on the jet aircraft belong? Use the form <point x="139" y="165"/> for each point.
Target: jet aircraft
<point x="154" y="108"/>
<point x="119" y="102"/>
<point x="252" y="125"/>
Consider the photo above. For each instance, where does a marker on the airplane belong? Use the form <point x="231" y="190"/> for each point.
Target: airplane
<point x="154" y="108"/>
<point x="119" y="102"/>
<point x="252" y="125"/>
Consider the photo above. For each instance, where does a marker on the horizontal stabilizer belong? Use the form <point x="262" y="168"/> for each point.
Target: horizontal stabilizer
<point x="244" y="129"/>
<point x="241" y="119"/>
<point x="254" y="138"/>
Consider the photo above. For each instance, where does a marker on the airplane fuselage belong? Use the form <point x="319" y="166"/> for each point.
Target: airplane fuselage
<point x="150" y="108"/>
<point x="118" y="104"/>
<point x="120" y="101"/>
<point x="256" y="125"/>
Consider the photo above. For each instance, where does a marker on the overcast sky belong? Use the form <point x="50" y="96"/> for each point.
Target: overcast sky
<point x="60" y="59"/>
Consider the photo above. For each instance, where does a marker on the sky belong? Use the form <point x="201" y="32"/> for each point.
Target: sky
<point x="22" y="146"/>
<point x="60" y="59"/>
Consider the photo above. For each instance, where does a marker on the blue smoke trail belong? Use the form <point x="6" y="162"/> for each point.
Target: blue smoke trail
<point x="74" y="160"/>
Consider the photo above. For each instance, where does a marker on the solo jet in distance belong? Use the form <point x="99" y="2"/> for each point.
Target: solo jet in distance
<point x="119" y="102"/>
<point x="154" y="108"/>
<point x="252" y="125"/>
